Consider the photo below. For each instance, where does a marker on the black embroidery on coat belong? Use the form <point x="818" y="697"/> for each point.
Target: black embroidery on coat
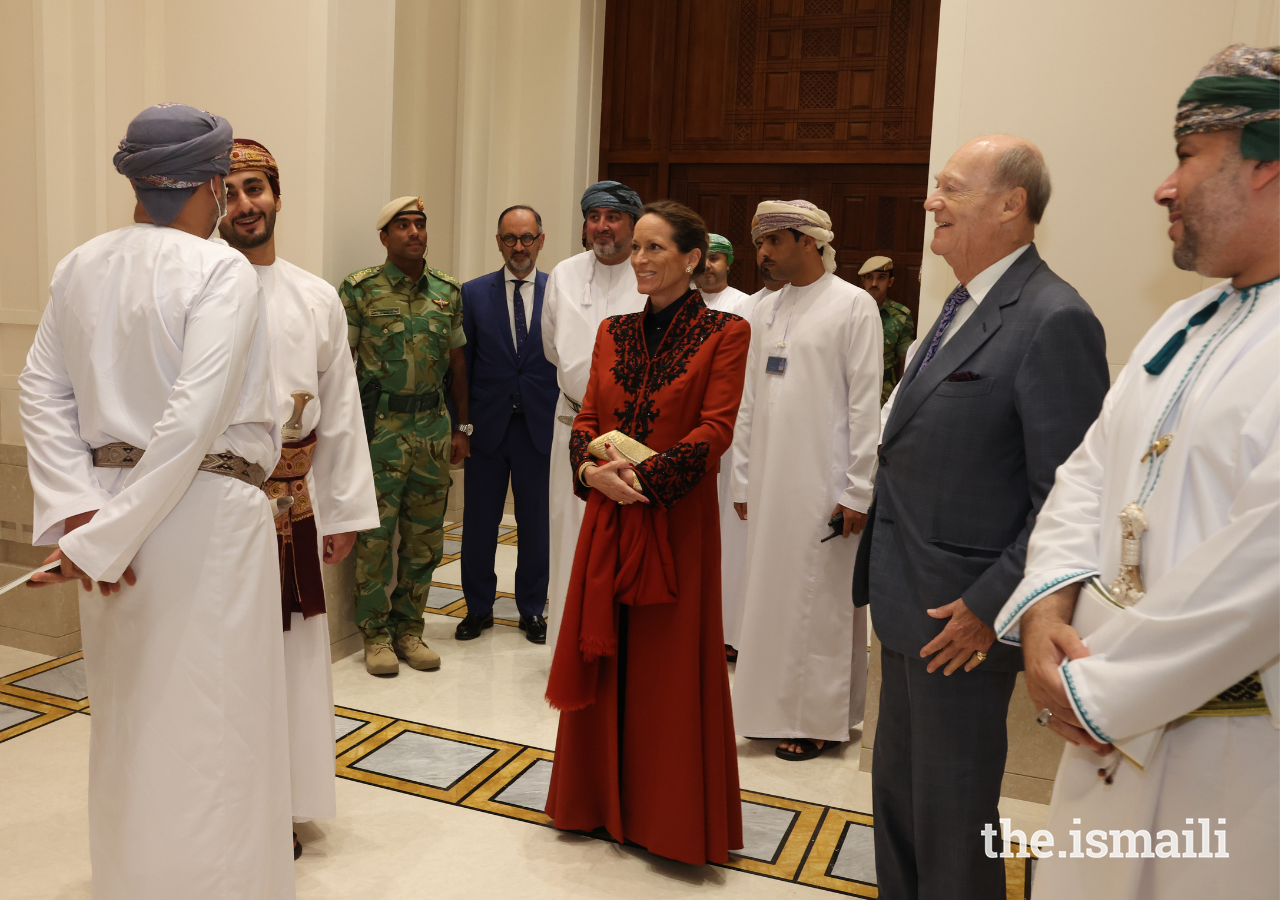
<point x="641" y="378"/>
<point x="672" y="474"/>
<point x="578" y="454"/>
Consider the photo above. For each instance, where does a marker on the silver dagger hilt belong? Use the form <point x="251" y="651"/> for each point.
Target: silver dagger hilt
<point x="292" y="430"/>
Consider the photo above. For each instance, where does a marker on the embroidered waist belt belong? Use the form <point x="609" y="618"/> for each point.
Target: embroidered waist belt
<point x="1244" y="698"/>
<point x="123" y="456"/>
<point x="301" y="584"/>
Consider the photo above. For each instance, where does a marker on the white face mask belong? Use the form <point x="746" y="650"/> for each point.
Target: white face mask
<point x="221" y="198"/>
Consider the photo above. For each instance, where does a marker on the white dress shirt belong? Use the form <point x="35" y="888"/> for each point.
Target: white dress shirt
<point x="526" y="297"/>
<point x="979" y="286"/>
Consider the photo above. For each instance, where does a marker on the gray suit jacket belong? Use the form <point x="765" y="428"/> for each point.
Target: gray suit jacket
<point x="966" y="465"/>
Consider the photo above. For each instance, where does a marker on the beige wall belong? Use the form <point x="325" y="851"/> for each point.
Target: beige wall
<point x="473" y="104"/>
<point x="1095" y="84"/>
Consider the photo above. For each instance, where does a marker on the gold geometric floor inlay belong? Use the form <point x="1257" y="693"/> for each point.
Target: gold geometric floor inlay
<point x="823" y="847"/>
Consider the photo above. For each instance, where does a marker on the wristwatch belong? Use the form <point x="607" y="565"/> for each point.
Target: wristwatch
<point x="466" y="429"/>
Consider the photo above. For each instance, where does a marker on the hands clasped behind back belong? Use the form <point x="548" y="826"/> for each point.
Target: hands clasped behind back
<point x="614" y="479"/>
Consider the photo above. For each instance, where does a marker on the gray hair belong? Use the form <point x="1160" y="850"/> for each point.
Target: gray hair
<point x="1022" y="165"/>
<point x="502" y="215"/>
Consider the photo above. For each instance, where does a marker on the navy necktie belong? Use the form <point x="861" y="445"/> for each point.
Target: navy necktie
<point x="522" y="331"/>
<point x="522" y="328"/>
<point x="954" y="302"/>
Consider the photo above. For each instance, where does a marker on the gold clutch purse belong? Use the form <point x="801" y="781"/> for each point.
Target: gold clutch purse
<point x="630" y="449"/>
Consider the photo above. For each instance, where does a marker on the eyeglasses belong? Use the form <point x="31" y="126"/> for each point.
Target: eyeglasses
<point x="509" y="240"/>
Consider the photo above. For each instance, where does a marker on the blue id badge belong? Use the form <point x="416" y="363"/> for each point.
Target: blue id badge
<point x="776" y="365"/>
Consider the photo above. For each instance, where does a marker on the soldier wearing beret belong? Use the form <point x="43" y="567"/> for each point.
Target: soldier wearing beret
<point x="404" y="324"/>
<point x="899" y="328"/>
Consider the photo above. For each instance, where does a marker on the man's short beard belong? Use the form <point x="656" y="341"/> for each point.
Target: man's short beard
<point x="1210" y="214"/>
<point x="515" y="266"/>
<point x="229" y="234"/>
<point x="607" y="250"/>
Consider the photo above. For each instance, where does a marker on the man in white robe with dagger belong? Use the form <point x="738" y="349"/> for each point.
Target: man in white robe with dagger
<point x="1149" y="612"/>
<point x="324" y="466"/>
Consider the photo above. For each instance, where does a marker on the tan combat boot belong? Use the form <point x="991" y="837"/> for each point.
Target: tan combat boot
<point x="410" y="648"/>
<point x="380" y="659"/>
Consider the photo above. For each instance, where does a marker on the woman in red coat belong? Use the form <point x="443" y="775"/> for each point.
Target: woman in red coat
<point x="646" y="742"/>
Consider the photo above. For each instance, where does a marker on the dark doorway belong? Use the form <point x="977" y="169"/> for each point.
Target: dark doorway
<point x="723" y="103"/>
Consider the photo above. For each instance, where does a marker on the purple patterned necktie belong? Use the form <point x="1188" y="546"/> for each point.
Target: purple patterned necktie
<point x="954" y="302"/>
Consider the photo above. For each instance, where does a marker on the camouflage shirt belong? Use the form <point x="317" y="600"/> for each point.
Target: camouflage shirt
<point x="402" y="332"/>
<point x="899" y="331"/>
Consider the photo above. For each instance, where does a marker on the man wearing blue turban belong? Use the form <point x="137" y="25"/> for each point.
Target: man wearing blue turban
<point x="581" y="292"/>
<point x="147" y="410"/>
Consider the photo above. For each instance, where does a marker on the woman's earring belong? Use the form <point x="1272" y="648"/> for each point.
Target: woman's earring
<point x="688" y="270"/>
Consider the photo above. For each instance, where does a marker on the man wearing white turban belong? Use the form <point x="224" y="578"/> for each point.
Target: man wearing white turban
<point x="150" y="428"/>
<point x="803" y="451"/>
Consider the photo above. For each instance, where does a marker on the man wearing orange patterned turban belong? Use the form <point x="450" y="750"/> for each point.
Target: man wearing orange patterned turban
<point x="324" y="464"/>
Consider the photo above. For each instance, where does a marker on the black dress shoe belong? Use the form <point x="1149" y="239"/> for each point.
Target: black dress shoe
<point x="534" y="628"/>
<point x="470" y="627"/>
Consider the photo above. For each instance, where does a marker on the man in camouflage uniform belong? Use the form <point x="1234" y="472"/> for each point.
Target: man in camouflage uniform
<point x="404" y="324"/>
<point x="899" y="327"/>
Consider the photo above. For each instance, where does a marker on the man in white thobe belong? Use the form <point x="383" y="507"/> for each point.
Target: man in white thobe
<point x="714" y="281"/>
<point x="803" y="451"/>
<point x="325" y="464"/>
<point x="582" y="291"/>
<point x="1190" y="433"/>
<point x="149" y="423"/>
<point x="733" y="530"/>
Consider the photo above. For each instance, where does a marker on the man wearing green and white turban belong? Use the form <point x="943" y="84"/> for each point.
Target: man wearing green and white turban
<point x="718" y="295"/>
<point x="714" y="282"/>
<point x="1171" y="504"/>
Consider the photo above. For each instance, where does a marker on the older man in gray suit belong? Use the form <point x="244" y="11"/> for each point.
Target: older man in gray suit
<point x="1002" y="389"/>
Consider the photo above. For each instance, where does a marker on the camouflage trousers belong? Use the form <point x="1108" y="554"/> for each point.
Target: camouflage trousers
<point x="410" y="454"/>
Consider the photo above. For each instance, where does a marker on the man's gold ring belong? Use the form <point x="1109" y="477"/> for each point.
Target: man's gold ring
<point x="979" y="656"/>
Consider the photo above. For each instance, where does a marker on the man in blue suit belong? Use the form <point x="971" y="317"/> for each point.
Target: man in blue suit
<point x="513" y="393"/>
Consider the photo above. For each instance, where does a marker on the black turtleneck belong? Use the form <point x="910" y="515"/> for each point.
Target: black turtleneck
<point x="655" y="323"/>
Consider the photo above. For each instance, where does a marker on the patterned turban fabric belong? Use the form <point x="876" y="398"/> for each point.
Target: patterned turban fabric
<point x="611" y="195"/>
<point x="247" y="154"/>
<point x="717" y="243"/>
<point x="1239" y="88"/>
<point x="802" y="216"/>
<point x="168" y="151"/>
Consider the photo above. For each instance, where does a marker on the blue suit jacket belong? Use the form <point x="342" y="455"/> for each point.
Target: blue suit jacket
<point x="495" y="373"/>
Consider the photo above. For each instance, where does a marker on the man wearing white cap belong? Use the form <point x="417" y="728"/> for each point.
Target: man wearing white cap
<point x="803" y="452"/>
<point x="582" y="291"/>
<point x="404" y="324"/>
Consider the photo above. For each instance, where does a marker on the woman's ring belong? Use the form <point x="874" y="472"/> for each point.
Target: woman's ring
<point x="1043" y="719"/>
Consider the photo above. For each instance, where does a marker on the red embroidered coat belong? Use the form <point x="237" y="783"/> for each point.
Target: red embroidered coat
<point x="646" y="743"/>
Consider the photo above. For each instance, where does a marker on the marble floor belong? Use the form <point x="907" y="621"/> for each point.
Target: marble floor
<point x="442" y="779"/>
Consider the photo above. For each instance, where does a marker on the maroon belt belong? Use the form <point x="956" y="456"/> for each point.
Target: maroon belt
<point x="301" y="584"/>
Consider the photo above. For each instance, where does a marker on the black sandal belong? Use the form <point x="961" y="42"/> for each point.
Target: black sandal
<point x="730" y="654"/>
<point x="810" y="751"/>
